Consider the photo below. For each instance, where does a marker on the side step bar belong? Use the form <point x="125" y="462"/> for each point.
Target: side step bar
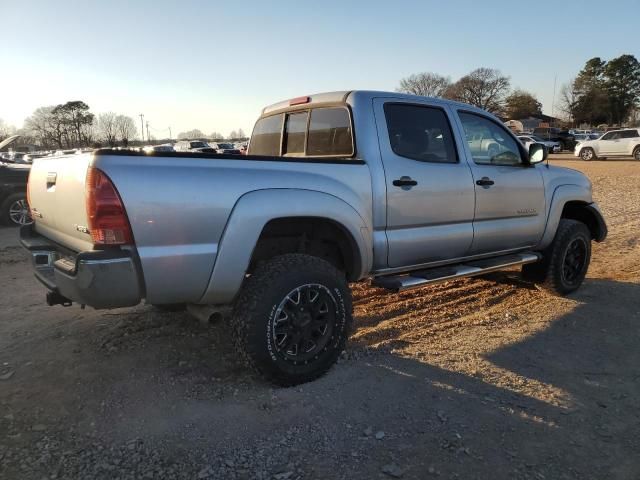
<point x="421" y="278"/>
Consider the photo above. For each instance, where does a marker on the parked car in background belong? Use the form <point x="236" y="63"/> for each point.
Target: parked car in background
<point x="227" y="148"/>
<point x="553" y="147"/>
<point x="616" y="143"/>
<point x="193" y="146"/>
<point x="566" y="140"/>
<point x="336" y="188"/>
<point x="13" y="194"/>
<point x="165" y="147"/>
<point x="29" y="157"/>
<point x="15" y="157"/>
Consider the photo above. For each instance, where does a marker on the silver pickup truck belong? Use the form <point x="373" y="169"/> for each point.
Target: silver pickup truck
<point x="336" y="188"/>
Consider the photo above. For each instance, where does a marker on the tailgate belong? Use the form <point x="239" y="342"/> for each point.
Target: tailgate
<point x="56" y="195"/>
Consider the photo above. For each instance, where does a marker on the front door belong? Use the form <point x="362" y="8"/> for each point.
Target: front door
<point x="510" y="198"/>
<point x="430" y="195"/>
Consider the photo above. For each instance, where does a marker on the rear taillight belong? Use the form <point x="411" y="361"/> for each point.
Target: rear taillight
<point x="29" y="195"/>
<point x="108" y="222"/>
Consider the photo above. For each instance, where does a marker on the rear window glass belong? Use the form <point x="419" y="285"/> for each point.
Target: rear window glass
<point x="265" y="139"/>
<point x="330" y="132"/>
<point x="294" y="131"/>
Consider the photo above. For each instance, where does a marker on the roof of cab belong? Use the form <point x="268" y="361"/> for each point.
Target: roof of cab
<point x="345" y="95"/>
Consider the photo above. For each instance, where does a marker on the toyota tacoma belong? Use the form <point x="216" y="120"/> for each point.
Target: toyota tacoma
<point x="338" y="187"/>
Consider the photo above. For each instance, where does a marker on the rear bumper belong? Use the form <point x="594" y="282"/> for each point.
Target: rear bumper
<point x="100" y="278"/>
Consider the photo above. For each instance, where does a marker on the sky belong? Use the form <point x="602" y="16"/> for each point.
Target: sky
<point x="213" y="65"/>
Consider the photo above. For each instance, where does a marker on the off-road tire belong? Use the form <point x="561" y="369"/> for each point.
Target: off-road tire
<point x="584" y="154"/>
<point x="262" y="295"/>
<point x="636" y="153"/>
<point x="553" y="273"/>
<point x="5" y="218"/>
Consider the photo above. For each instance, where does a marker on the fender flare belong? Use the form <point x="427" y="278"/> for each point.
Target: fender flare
<point x="561" y="196"/>
<point x="252" y="212"/>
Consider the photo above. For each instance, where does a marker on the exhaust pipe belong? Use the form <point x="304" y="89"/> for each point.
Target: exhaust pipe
<point x="54" y="298"/>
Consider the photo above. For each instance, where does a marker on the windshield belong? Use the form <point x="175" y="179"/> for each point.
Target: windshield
<point x="198" y="145"/>
<point x="226" y="146"/>
<point x="536" y="138"/>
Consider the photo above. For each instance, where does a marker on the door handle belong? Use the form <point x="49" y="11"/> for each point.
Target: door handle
<point x="404" y="182"/>
<point x="485" y="182"/>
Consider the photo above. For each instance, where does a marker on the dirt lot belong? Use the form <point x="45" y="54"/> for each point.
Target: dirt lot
<point x="479" y="378"/>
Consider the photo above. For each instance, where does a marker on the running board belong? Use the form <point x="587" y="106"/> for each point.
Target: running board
<point x="421" y="278"/>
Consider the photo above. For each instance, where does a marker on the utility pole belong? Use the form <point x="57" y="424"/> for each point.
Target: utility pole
<point x="170" y="133"/>
<point x="148" y="137"/>
<point x="142" y="126"/>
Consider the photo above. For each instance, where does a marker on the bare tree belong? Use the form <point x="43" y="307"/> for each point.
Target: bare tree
<point x="191" y="134"/>
<point x="485" y="88"/>
<point x="233" y="135"/>
<point x="216" y="136"/>
<point x="6" y="130"/>
<point x="241" y="133"/>
<point x="46" y="127"/>
<point x="568" y="100"/>
<point x="426" y="84"/>
<point x="107" y="128"/>
<point x="125" y="129"/>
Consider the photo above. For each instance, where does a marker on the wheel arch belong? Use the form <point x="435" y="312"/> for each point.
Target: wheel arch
<point x="573" y="202"/>
<point x="279" y="214"/>
<point x="589" y="214"/>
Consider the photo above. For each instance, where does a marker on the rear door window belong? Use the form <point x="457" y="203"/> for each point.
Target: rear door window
<point x="330" y="133"/>
<point x="419" y="132"/>
<point x="265" y="139"/>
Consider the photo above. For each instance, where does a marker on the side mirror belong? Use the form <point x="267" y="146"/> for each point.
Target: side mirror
<point x="537" y="153"/>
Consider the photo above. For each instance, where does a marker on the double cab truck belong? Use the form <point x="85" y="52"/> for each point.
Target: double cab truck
<point x="336" y="188"/>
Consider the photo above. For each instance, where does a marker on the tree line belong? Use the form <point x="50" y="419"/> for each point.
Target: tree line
<point x="72" y="125"/>
<point x="486" y="88"/>
<point x="197" y="134"/>
<point x="603" y="92"/>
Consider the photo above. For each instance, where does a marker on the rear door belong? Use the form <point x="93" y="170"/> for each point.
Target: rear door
<point x="509" y="193"/>
<point x="430" y="196"/>
<point x="627" y="140"/>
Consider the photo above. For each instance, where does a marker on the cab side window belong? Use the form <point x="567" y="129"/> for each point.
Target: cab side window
<point x="490" y="143"/>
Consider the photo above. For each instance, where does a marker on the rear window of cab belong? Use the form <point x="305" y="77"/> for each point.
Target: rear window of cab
<point x="315" y="132"/>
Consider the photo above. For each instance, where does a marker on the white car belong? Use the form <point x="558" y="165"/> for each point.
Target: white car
<point x="616" y="143"/>
<point x="553" y="147"/>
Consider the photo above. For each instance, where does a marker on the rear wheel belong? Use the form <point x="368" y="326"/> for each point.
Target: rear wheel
<point x="292" y="318"/>
<point x="636" y="153"/>
<point x="565" y="262"/>
<point x="14" y="211"/>
<point x="587" y="154"/>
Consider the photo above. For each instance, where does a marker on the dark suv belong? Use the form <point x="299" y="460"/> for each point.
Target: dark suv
<point x="13" y="194"/>
<point x="567" y="141"/>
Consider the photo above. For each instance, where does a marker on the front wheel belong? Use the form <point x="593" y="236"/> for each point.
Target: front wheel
<point x="292" y="318"/>
<point x="566" y="261"/>
<point x="636" y="153"/>
<point x="587" y="154"/>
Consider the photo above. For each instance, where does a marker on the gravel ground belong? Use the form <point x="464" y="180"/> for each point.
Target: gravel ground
<point x="478" y="378"/>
